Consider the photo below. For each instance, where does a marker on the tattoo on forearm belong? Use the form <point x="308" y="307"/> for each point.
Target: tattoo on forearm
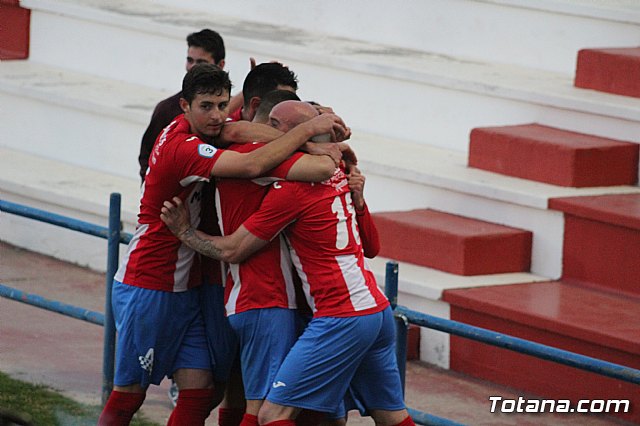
<point x="206" y="247"/>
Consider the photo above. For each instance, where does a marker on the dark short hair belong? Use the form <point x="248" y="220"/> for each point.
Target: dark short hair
<point x="210" y="41"/>
<point x="205" y="79"/>
<point x="266" y="77"/>
<point x="272" y="99"/>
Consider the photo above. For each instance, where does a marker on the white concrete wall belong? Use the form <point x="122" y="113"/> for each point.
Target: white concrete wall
<point x="541" y="34"/>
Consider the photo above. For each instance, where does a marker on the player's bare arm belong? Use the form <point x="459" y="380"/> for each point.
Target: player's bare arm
<point x="321" y="164"/>
<point x="317" y="166"/>
<point x="246" y="131"/>
<point x="368" y="231"/>
<point x="356" y="185"/>
<point x="234" y="248"/>
<point x="323" y="148"/>
<point x="255" y="163"/>
<point x="312" y="168"/>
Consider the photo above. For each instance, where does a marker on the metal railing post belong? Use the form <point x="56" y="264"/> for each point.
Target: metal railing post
<point x="113" y="252"/>
<point x="391" y="283"/>
<point x="402" y="328"/>
<point x="401" y="322"/>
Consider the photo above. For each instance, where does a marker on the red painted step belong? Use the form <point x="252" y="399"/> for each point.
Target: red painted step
<point x="14" y="22"/>
<point x="586" y="321"/>
<point x="452" y="243"/>
<point x="555" y="156"/>
<point x="602" y="233"/>
<point x="613" y="70"/>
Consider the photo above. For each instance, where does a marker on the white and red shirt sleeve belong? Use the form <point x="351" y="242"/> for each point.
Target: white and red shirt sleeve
<point x="325" y="245"/>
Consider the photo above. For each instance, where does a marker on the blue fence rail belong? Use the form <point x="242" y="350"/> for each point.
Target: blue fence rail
<point x="115" y="237"/>
<point x="52" y="305"/>
<point x="404" y="316"/>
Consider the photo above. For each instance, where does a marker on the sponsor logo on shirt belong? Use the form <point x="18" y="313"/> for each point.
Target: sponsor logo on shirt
<point x="206" y="150"/>
<point x="278" y="384"/>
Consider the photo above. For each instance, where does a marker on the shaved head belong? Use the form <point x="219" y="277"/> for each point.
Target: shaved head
<point x="288" y="114"/>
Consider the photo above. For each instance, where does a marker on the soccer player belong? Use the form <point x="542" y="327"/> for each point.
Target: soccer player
<point x="260" y="296"/>
<point x="262" y="79"/>
<point x="258" y="83"/>
<point x="349" y="345"/>
<point x="205" y="46"/>
<point x="155" y="294"/>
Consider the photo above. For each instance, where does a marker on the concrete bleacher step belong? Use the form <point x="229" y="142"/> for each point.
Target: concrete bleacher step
<point x="345" y="73"/>
<point x="77" y="118"/>
<point x="453" y="243"/>
<point x="591" y="322"/>
<point x="445" y="27"/>
<point x="601" y="235"/>
<point x="555" y="156"/>
<point x="611" y="70"/>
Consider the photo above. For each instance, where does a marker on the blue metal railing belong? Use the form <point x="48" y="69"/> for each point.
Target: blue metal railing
<point x="52" y="305"/>
<point x="115" y="237"/>
<point x="404" y="316"/>
<point x="55" y="219"/>
<point x="527" y="347"/>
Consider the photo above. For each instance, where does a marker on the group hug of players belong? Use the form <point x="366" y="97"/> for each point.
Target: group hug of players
<point x="246" y="280"/>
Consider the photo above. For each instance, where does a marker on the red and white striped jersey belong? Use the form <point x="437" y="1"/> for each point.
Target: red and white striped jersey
<point x="265" y="279"/>
<point x="179" y="164"/>
<point x="325" y="244"/>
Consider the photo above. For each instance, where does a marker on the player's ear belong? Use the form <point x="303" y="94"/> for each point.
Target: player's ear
<point x="184" y="105"/>
<point x="254" y="103"/>
<point x="221" y="64"/>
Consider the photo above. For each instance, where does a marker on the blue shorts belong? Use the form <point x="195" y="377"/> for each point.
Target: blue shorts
<point x="338" y="357"/>
<point x="266" y="336"/>
<point x="223" y="342"/>
<point x="158" y="332"/>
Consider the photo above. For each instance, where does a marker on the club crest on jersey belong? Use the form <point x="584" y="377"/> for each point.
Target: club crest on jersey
<point x="206" y="150"/>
